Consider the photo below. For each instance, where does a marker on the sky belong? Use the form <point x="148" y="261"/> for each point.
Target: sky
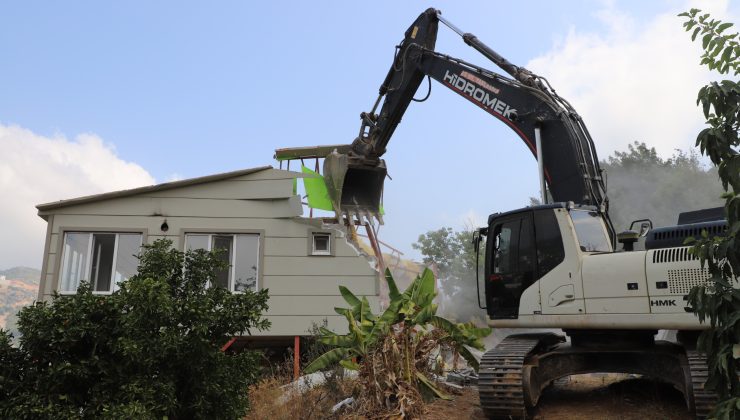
<point x="102" y="96"/>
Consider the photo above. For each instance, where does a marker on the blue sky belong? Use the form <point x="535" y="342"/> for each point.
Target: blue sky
<point x="185" y="89"/>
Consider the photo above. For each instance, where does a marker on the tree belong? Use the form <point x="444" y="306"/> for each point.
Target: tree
<point x="641" y="184"/>
<point x="394" y="351"/>
<point x="719" y="300"/>
<point x="452" y="254"/>
<point x="149" y="350"/>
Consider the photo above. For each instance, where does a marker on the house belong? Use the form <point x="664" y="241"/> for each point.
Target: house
<point x="254" y="214"/>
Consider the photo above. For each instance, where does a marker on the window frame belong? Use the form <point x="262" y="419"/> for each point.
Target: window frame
<point x="233" y="232"/>
<point x="59" y="254"/>
<point x="312" y="233"/>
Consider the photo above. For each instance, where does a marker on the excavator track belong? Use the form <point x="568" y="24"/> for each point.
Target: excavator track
<point x="704" y="400"/>
<point x="501" y="382"/>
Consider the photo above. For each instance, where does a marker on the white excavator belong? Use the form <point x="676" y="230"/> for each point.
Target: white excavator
<point x="559" y="265"/>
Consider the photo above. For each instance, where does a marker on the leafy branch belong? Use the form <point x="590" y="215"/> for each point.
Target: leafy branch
<point x="719" y="300"/>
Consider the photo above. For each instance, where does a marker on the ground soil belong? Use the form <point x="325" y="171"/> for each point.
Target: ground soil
<point x="583" y="397"/>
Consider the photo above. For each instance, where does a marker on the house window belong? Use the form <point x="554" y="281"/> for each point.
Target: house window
<point x="240" y="251"/>
<point x="103" y="259"/>
<point x="321" y="244"/>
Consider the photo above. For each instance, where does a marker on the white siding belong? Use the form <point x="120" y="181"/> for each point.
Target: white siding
<point x="303" y="288"/>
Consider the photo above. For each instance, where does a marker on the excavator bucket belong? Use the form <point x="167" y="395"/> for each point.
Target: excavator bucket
<point x="355" y="186"/>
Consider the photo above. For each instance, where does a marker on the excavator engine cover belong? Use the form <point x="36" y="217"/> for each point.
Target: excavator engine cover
<point x="355" y="185"/>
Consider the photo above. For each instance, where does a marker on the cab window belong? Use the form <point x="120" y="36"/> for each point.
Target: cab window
<point x="504" y="260"/>
<point x="590" y="230"/>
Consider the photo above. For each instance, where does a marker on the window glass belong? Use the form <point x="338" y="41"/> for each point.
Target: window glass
<point x="246" y="263"/>
<point x="590" y="231"/>
<point x="225" y="244"/>
<point x="241" y="252"/>
<point x="550" y="250"/>
<point x="197" y="242"/>
<point x="126" y="261"/>
<point x="74" y="260"/>
<point x="321" y="243"/>
<point x="505" y="253"/>
<point x="526" y="248"/>
<point x="102" y="261"/>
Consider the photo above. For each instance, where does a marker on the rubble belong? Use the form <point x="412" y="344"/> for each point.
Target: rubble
<point x="347" y="402"/>
<point x="464" y="377"/>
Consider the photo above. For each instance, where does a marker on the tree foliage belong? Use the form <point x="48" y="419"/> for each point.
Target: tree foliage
<point x="641" y="185"/>
<point x="719" y="300"/>
<point x="149" y="350"/>
<point x="452" y="255"/>
<point x="394" y="351"/>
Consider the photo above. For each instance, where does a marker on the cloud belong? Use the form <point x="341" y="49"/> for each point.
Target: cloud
<point x="635" y="81"/>
<point x="35" y="169"/>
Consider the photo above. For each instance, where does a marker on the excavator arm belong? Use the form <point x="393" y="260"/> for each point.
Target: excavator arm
<point x="524" y="102"/>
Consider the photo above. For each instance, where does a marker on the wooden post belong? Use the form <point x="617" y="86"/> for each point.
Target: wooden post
<point x="228" y="344"/>
<point x="376" y="247"/>
<point x="296" y="358"/>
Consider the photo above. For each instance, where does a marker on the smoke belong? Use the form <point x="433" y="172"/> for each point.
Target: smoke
<point x="642" y="185"/>
<point x="452" y="258"/>
<point x="458" y="297"/>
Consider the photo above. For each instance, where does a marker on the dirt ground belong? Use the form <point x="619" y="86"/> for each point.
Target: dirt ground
<point x="583" y="397"/>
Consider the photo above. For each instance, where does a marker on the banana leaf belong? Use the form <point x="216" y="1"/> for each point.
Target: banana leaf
<point x="336" y="340"/>
<point x="348" y="296"/>
<point x="328" y="359"/>
<point x="425" y="314"/>
<point x="424" y="381"/>
<point x="393" y="292"/>
<point x="349" y="364"/>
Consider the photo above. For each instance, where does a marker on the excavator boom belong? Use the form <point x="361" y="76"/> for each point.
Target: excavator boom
<point x="524" y="102"/>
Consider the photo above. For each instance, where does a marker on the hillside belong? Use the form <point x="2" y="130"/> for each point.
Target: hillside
<point x="18" y="287"/>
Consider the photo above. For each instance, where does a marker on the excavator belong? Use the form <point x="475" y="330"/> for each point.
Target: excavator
<point x="559" y="265"/>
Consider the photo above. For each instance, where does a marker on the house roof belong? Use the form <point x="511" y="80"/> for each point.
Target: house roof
<point x="150" y="188"/>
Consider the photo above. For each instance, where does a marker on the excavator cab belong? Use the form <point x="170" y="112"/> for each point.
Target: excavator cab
<point x="524" y="245"/>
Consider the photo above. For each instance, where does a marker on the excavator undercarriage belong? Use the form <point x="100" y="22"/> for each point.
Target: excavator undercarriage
<point x="514" y="374"/>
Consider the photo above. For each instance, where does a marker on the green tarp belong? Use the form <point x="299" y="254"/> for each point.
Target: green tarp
<point x="318" y="195"/>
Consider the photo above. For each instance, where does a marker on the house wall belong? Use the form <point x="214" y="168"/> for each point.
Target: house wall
<point x="303" y="288"/>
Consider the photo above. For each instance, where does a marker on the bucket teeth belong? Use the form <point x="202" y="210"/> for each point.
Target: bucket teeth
<point x="359" y="215"/>
<point x="355" y="186"/>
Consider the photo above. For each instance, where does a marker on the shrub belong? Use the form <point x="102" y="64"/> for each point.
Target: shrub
<point x="395" y="351"/>
<point x="149" y="350"/>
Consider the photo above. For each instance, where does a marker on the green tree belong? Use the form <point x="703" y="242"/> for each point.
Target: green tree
<point x="452" y="254"/>
<point x="719" y="300"/>
<point x="149" y="350"/>
<point x="641" y="184"/>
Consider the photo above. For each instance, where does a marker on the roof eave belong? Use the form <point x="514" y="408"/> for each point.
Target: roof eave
<point x="46" y="208"/>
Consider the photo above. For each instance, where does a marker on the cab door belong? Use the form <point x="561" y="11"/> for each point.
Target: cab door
<point x="510" y="264"/>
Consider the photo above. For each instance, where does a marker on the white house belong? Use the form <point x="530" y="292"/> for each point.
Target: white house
<point x="254" y="214"/>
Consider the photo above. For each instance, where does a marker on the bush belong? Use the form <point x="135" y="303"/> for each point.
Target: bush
<point x="149" y="350"/>
<point x="395" y="352"/>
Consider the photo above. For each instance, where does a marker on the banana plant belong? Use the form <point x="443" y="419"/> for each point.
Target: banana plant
<point x="412" y="310"/>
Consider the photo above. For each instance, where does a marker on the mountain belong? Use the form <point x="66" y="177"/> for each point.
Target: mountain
<point x="19" y="286"/>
